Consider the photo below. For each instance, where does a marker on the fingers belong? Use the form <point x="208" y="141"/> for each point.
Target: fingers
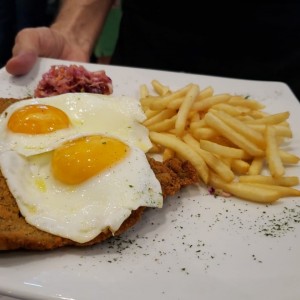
<point x="31" y="43"/>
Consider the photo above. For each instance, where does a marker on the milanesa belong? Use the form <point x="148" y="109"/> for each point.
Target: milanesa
<point x="16" y="233"/>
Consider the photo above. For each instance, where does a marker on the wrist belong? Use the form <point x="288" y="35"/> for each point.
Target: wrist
<point x="80" y="22"/>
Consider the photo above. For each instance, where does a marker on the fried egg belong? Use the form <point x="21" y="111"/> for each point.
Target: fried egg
<point x="35" y="126"/>
<point x="81" y="178"/>
<point x="91" y="191"/>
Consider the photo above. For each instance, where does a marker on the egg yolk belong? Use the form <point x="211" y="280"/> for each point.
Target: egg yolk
<point x="78" y="160"/>
<point x="37" y="119"/>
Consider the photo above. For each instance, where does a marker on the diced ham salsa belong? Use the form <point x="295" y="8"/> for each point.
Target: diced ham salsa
<point x="61" y="79"/>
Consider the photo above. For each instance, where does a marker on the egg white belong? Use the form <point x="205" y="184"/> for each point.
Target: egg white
<point x="88" y="113"/>
<point x="80" y="212"/>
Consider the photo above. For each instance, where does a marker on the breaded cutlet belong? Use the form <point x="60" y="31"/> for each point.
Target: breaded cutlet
<point x="16" y="233"/>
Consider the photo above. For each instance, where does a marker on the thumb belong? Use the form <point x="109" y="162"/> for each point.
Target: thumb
<point x="25" y="51"/>
<point x="21" y="63"/>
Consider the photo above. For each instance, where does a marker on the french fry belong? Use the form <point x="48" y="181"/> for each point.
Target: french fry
<point x="207" y="103"/>
<point x="283" y="191"/>
<point x="232" y="110"/>
<point x="185" y="108"/>
<point x="197" y="124"/>
<point x="164" y="114"/>
<point x="288" y="158"/>
<point x="271" y="119"/>
<point x="207" y="92"/>
<point x="164" y="125"/>
<point x="246" y="191"/>
<point x="144" y="92"/>
<point x="272" y="153"/>
<point x="150" y="113"/>
<point x="175" y="104"/>
<point x="205" y="133"/>
<point x="239" y="166"/>
<point x="223" y="150"/>
<point x="160" y="89"/>
<point x="249" y="103"/>
<point x="244" y="118"/>
<point x="148" y="100"/>
<point x="283" y="181"/>
<point x="257" y="114"/>
<point x="256" y="166"/>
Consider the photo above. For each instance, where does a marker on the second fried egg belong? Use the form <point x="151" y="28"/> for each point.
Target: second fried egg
<point x="84" y="187"/>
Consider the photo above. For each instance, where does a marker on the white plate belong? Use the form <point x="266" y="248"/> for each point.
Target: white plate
<point x="196" y="247"/>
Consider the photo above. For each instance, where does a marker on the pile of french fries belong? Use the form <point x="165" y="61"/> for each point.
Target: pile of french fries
<point x="234" y="145"/>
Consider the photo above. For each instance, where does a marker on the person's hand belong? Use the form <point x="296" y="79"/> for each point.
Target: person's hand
<point x="31" y="43"/>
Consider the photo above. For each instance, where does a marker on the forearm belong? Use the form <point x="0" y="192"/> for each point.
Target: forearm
<point x="81" y="21"/>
